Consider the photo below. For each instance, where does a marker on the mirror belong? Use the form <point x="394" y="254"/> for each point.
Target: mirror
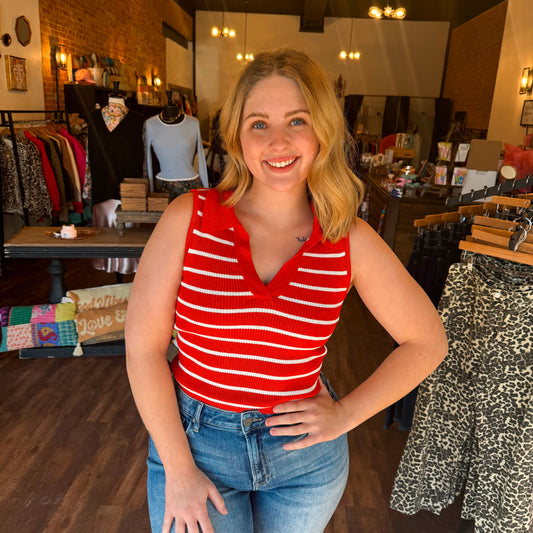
<point x="23" y="30"/>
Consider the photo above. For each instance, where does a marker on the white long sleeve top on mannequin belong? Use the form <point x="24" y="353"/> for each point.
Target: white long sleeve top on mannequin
<point x="175" y="146"/>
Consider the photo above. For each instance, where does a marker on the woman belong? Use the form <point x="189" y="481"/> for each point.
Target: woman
<point x="252" y="276"/>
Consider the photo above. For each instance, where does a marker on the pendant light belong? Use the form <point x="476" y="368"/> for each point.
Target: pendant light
<point x="350" y="54"/>
<point x="223" y="31"/>
<point x="245" y="56"/>
<point x="388" y="12"/>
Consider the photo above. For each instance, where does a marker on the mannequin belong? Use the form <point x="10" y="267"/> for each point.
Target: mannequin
<point x="171" y="113"/>
<point x="115" y="152"/>
<point x="175" y="139"/>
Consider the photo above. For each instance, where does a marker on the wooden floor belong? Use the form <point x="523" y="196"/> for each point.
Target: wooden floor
<point x="73" y="449"/>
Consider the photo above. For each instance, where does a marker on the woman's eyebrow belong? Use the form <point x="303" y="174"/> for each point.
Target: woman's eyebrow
<point x="256" y="114"/>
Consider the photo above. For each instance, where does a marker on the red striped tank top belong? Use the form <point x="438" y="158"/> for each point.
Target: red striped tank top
<point x="243" y="344"/>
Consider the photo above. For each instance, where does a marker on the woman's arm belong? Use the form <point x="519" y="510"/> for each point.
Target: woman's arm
<point x="150" y="318"/>
<point x="404" y="310"/>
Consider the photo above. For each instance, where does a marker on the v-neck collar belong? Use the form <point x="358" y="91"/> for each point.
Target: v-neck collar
<point x="217" y="217"/>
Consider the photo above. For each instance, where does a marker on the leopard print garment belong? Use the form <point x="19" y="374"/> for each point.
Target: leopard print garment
<point x="473" y="423"/>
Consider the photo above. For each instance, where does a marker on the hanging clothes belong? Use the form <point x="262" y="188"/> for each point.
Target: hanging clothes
<point x="434" y="251"/>
<point x="473" y="425"/>
<point x="36" y="198"/>
<point x="49" y="176"/>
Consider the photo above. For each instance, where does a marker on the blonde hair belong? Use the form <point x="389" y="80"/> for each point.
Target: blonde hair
<point x="334" y="189"/>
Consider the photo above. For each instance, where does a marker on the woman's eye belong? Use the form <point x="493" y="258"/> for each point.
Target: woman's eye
<point x="297" y="122"/>
<point x="258" y="125"/>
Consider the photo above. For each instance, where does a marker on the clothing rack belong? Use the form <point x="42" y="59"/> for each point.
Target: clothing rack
<point x="7" y="121"/>
<point x="502" y="188"/>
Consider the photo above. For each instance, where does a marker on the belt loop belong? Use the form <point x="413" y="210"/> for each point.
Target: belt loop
<point x="196" y="418"/>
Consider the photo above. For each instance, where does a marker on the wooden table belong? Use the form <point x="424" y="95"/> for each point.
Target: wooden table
<point x="38" y="242"/>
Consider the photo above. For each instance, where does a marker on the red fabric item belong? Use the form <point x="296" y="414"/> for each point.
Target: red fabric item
<point x="387" y="142"/>
<point x="79" y="154"/>
<point x="243" y="344"/>
<point x="49" y="176"/>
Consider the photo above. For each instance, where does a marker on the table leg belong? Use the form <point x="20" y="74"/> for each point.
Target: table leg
<point x="57" y="288"/>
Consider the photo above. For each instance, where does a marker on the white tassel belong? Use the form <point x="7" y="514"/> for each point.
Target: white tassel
<point x="78" y="350"/>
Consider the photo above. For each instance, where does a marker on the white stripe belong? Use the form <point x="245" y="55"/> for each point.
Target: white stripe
<point x="243" y="373"/>
<point x="212" y="256"/>
<point x="254" y="357"/>
<point x="200" y="214"/>
<point x="259" y="328"/>
<point x="218" y="293"/>
<point x="312" y="304"/>
<point x="309" y="254"/>
<point x="248" y="389"/>
<point x="316" y="288"/>
<point x="328" y="272"/>
<point x="201" y="197"/>
<point x="212" y="237"/>
<point x="246" y="341"/>
<point x="256" y="310"/>
<point x="221" y="402"/>
<point x="211" y="274"/>
<point x="253" y="327"/>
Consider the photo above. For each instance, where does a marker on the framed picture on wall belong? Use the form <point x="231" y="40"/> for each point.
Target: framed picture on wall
<point x="184" y="98"/>
<point x="527" y="114"/>
<point x="16" y="76"/>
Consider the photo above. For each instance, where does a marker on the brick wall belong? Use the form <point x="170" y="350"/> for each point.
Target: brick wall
<point x="130" y="31"/>
<point x="472" y="65"/>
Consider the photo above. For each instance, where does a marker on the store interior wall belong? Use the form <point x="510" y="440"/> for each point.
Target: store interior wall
<point x="33" y="98"/>
<point x="472" y="65"/>
<point x="128" y="31"/>
<point x="398" y="58"/>
<point x="516" y="53"/>
<point x="179" y="64"/>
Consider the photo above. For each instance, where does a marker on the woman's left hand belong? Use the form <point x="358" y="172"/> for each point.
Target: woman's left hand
<point x="321" y="417"/>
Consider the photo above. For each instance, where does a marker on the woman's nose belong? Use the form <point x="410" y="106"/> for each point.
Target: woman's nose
<point x="278" y="137"/>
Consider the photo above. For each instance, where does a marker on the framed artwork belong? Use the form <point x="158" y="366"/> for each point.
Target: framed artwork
<point x="184" y="98"/>
<point x="527" y="114"/>
<point x="16" y="76"/>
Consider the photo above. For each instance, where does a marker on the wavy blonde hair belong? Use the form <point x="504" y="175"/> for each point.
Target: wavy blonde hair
<point x="334" y="189"/>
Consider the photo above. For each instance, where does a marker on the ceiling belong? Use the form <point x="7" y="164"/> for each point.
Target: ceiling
<point x="312" y="12"/>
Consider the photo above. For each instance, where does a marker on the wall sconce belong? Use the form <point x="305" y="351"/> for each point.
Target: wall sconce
<point x="526" y="81"/>
<point x="156" y="80"/>
<point x="61" y="57"/>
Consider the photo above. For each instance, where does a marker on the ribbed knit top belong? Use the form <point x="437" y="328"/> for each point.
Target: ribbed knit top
<point x="243" y="344"/>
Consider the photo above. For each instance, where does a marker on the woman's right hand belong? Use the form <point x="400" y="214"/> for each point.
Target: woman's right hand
<point x="186" y="497"/>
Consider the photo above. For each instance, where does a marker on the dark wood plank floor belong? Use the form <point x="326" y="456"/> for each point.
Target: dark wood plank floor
<point x="73" y="449"/>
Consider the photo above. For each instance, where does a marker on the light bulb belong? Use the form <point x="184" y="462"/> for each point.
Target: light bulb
<point x="388" y="11"/>
<point x="232" y="33"/>
<point x="400" y="13"/>
<point x="375" y="12"/>
<point x="357" y="55"/>
<point x="215" y="32"/>
<point x="342" y="55"/>
<point x="239" y="57"/>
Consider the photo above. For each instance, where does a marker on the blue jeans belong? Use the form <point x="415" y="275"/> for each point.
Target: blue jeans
<point x="266" y="488"/>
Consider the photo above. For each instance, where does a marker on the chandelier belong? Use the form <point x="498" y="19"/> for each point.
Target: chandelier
<point x="223" y="31"/>
<point x="350" y="54"/>
<point x="387" y="12"/>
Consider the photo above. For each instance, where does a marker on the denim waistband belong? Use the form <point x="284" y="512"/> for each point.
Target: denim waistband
<point x="223" y="418"/>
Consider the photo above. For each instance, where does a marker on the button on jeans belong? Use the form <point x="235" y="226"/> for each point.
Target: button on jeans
<point x="266" y="488"/>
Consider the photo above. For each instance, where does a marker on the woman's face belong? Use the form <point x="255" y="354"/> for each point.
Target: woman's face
<point x="278" y="141"/>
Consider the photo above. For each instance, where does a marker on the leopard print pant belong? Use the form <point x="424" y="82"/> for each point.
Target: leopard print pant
<point x="473" y="423"/>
